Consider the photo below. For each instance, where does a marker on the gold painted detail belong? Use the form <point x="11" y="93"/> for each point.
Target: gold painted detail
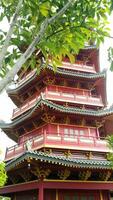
<point x="105" y="176"/>
<point x="99" y="124"/>
<point x="41" y="173"/>
<point x="48" y="118"/>
<point x="68" y="154"/>
<point x="101" y="196"/>
<point x="89" y="155"/>
<point x="67" y="120"/>
<point x="84" y="175"/>
<point x="49" y="81"/>
<point x="64" y="174"/>
<point x="47" y="151"/>
<point x="56" y="194"/>
<point x="83" y="122"/>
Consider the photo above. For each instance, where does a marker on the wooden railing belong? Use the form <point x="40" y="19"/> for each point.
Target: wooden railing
<point x="63" y="129"/>
<point x="58" y="141"/>
<point x="64" y="94"/>
<point x="62" y="137"/>
<point x="79" y="66"/>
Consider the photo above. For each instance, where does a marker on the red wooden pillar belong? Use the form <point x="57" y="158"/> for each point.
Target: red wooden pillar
<point x="41" y="191"/>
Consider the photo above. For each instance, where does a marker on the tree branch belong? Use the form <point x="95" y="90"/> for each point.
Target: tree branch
<point x="10" y="75"/>
<point x="10" y="32"/>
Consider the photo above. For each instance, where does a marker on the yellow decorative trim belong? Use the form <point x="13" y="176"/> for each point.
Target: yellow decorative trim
<point x="101" y="196"/>
<point x="57" y="180"/>
<point x="56" y="194"/>
<point x="75" y="181"/>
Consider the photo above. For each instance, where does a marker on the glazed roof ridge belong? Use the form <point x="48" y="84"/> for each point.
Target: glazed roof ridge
<point x="63" y="71"/>
<point x="61" y="160"/>
<point x="60" y="108"/>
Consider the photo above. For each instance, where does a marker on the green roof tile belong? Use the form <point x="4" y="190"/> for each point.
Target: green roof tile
<point x="60" y="108"/>
<point x="59" y="160"/>
<point x="61" y="71"/>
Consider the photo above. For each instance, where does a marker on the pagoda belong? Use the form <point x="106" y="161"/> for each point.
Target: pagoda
<point x="60" y="125"/>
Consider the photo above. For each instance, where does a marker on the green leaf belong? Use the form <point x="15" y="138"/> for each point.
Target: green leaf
<point x="44" y="8"/>
<point x="71" y="57"/>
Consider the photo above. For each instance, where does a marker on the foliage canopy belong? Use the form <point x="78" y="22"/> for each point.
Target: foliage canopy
<point x="3" y="175"/>
<point x="58" y="28"/>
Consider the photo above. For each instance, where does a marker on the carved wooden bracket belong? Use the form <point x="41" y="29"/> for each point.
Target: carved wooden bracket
<point x="84" y="175"/>
<point x="48" y="118"/>
<point x="41" y="173"/>
<point x="104" y="176"/>
<point x="64" y="174"/>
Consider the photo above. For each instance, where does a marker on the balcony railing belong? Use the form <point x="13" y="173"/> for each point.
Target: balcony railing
<point x="62" y="94"/>
<point x="62" y="137"/>
<point x="79" y="66"/>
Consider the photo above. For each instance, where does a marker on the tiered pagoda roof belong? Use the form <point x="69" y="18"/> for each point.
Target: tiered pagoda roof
<point x="58" y="135"/>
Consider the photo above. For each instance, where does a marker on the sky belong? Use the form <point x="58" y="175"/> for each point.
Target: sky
<point x="6" y="105"/>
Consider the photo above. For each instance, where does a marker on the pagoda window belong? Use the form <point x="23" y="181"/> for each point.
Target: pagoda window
<point x="66" y="132"/>
<point x="76" y="132"/>
<point x="81" y="132"/>
<point x="72" y="132"/>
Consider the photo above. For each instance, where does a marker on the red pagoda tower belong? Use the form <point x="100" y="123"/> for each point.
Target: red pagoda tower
<point x="60" y="125"/>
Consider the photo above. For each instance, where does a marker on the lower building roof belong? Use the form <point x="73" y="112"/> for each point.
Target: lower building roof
<point x="59" y="160"/>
